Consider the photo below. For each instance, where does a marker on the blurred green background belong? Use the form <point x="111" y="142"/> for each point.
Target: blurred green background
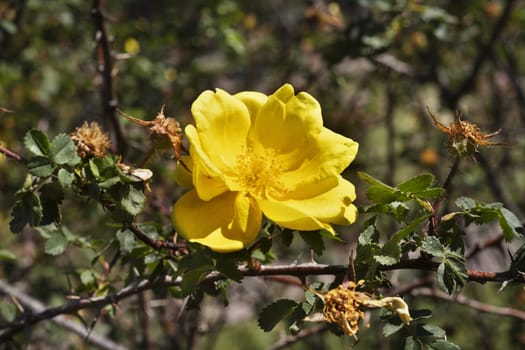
<point x="373" y="65"/>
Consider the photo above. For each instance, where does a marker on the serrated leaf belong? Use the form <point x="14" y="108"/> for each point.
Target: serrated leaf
<point x="431" y="193"/>
<point x="287" y="237"/>
<point x="51" y="197"/>
<point x="385" y="260"/>
<point x="392" y="328"/>
<point x="314" y="241"/>
<point x="434" y="330"/>
<point x="229" y="269"/>
<point x="87" y="278"/>
<point x="36" y="142"/>
<point x="8" y="311"/>
<point x="65" y="178"/>
<point x="416" y="184"/>
<point x="56" y="244"/>
<point x="192" y="278"/>
<point x="63" y="151"/>
<point x="382" y="195"/>
<point x="412" y="343"/>
<point x="420" y="314"/>
<point x="7" y="255"/>
<point x="27" y="210"/>
<point x="465" y="203"/>
<point x="432" y="246"/>
<point x="368" y="236"/>
<point x="132" y="201"/>
<point x="275" y="312"/>
<point x="442" y="344"/>
<point x="40" y="166"/>
<point x="126" y="240"/>
<point x="509" y="223"/>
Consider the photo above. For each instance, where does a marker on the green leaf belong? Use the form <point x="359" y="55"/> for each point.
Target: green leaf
<point x="7" y="255"/>
<point x="51" y="197"/>
<point x="87" y="278"/>
<point x="191" y="279"/>
<point x="385" y="260"/>
<point x="510" y="224"/>
<point x="56" y="244"/>
<point x="431" y="193"/>
<point x="8" y="311"/>
<point x="126" y="240"/>
<point x="434" y="330"/>
<point x="275" y="312"/>
<point x="132" y="200"/>
<point x="314" y="241"/>
<point x="27" y="210"/>
<point x="416" y="184"/>
<point x="432" y="246"/>
<point x="392" y="328"/>
<point x="420" y="314"/>
<point x="65" y="178"/>
<point x="229" y="269"/>
<point x="412" y="343"/>
<point x="442" y="344"/>
<point x="37" y="142"/>
<point x="40" y="166"/>
<point x="63" y="151"/>
<point x="368" y="236"/>
<point x="382" y="195"/>
<point x="465" y="203"/>
<point x="287" y="237"/>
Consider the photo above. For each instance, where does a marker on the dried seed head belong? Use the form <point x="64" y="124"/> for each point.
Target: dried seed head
<point x="464" y="137"/>
<point x="165" y="132"/>
<point x="343" y="305"/>
<point x="90" y="140"/>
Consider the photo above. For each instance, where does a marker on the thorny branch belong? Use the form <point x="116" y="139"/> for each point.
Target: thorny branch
<point x="105" y="69"/>
<point x="139" y="286"/>
<point x="36" y="306"/>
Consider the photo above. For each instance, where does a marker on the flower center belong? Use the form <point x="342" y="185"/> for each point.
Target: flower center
<point x="257" y="172"/>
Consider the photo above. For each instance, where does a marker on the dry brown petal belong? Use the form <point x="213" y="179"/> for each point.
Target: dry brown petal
<point x="90" y="140"/>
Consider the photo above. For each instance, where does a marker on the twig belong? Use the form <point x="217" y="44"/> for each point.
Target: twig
<point x="484" y="52"/>
<point x="105" y="69"/>
<point x="172" y="247"/>
<point x="291" y="270"/>
<point x="479" y="246"/>
<point x="12" y="155"/>
<point x="290" y="340"/>
<point x="61" y="320"/>
<point x="446" y="186"/>
<point x="474" y="304"/>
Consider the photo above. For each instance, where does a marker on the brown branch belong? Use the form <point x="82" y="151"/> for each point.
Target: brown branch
<point x="479" y="246"/>
<point x="484" y="52"/>
<point x="172" y="247"/>
<point x="30" y="319"/>
<point x="474" y="304"/>
<point x="105" y="69"/>
<point x="65" y="322"/>
<point x="287" y="341"/>
<point x="12" y="155"/>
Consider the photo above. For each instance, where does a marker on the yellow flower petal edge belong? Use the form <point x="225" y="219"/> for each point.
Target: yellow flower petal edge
<point x="252" y="154"/>
<point x="235" y="221"/>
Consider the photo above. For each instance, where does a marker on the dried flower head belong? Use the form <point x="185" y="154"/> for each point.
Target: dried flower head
<point x="464" y="137"/>
<point x="90" y="140"/>
<point x="165" y="132"/>
<point x="345" y="306"/>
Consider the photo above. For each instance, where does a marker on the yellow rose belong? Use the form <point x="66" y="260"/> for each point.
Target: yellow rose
<point x="252" y="154"/>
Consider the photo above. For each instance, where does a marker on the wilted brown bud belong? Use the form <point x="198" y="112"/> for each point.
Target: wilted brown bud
<point x="90" y="140"/>
<point x="165" y="132"/>
<point x="464" y="137"/>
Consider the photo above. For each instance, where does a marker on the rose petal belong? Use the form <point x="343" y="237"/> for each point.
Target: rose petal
<point x="224" y="224"/>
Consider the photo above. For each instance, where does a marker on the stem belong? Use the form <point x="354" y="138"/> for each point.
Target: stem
<point x="446" y="187"/>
